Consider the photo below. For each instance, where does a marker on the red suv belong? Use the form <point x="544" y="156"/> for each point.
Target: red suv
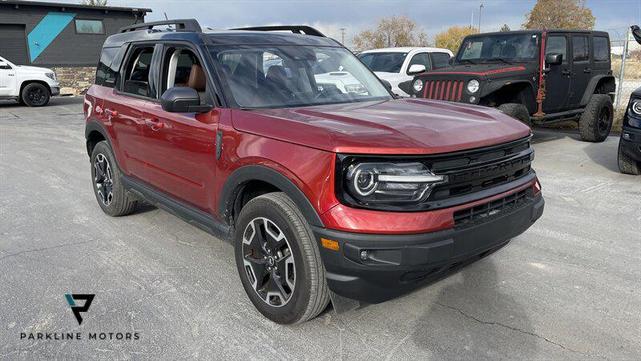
<point x="285" y="143"/>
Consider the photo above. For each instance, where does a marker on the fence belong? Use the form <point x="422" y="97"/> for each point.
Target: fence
<point x="626" y="64"/>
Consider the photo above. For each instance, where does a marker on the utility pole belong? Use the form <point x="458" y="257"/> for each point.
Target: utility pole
<point x="480" y="10"/>
<point x="622" y="69"/>
<point x="342" y="36"/>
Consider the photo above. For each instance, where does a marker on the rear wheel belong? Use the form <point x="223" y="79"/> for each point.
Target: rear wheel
<point x="596" y="121"/>
<point x="516" y="111"/>
<point x="35" y="95"/>
<point x="628" y="165"/>
<point x="111" y="195"/>
<point x="278" y="260"/>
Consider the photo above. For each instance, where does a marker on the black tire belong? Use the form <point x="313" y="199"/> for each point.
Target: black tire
<point x="516" y="111"/>
<point x="596" y="121"/>
<point x="628" y="165"/>
<point x="104" y="167"/>
<point x="35" y="95"/>
<point x="307" y="294"/>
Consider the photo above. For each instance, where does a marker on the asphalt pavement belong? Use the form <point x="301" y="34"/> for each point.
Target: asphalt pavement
<point x="568" y="288"/>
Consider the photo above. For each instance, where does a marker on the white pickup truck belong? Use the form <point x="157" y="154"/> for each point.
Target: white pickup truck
<point x="28" y="85"/>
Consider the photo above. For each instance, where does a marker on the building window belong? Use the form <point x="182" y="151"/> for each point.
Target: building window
<point x="89" y="27"/>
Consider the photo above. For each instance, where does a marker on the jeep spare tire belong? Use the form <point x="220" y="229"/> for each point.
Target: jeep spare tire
<point x="516" y="111"/>
<point x="596" y="121"/>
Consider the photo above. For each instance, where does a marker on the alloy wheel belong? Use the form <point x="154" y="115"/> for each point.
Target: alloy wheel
<point x="103" y="179"/>
<point x="604" y="121"/>
<point x="37" y="96"/>
<point x="268" y="262"/>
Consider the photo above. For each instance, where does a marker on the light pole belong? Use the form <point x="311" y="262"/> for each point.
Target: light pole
<point x="480" y="10"/>
<point x="342" y="35"/>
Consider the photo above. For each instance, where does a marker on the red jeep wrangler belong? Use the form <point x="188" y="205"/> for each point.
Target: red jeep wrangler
<point x="327" y="190"/>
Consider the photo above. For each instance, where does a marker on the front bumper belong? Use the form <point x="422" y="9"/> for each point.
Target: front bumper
<point x="55" y="91"/>
<point x="396" y="264"/>
<point x="630" y="142"/>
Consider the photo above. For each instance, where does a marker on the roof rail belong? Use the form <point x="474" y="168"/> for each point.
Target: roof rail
<point x="183" y="25"/>
<point x="296" y="29"/>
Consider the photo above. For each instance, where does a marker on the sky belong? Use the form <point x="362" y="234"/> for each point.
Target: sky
<point x="330" y="16"/>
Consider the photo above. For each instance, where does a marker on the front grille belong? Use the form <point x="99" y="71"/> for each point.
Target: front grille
<point x="451" y="90"/>
<point x="481" y="169"/>
<point x="485" y="211"/>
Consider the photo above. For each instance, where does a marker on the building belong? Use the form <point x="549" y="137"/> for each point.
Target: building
<point x="66" y="37"/>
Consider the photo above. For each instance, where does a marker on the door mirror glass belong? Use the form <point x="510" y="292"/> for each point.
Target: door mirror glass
<point x="636" y="32"/>
<point x="553" y="59"/>
<point x="416" y="69"/>
<point x="4" y="65"/>
<point x="182" y="100"/>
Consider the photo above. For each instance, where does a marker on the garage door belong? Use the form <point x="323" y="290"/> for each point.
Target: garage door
<point x="13" y="45"/>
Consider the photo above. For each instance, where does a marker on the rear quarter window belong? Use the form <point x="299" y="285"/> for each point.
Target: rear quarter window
<point x="601" y="48"/>
<point x="108" y="66"/>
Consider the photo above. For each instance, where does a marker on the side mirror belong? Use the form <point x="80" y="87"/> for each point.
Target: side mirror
<point x="416" y="69"/>
<point x="636" y="32"/>
<point x="554" y="59"/>
<point x="182" y="100"/>
<point x="4" y="65"/>
<point x="387" y="84"/>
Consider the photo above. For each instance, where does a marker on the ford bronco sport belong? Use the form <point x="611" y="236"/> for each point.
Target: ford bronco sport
<point x="534" y="76"/>
<point x="630" y="143"/>
<point x="326" y="194"/>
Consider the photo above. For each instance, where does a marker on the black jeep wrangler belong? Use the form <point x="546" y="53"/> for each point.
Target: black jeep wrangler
<point x="630" y="142"/>
<point x="536" y="76"/>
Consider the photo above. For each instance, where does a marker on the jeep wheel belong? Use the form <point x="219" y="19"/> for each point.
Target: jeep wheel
<point x="112" y="197"/>
<point x="278" y="260"/>
<point x="628" y="165"/>
<point x="35" y="95"/>
<point x="516" y="111"/>
<point x="596" y="121"/>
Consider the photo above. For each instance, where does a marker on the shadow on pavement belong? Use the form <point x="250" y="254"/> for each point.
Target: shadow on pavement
<point x="9" y="104"/>
<point x="476" y="301"/>
<point x="603" y="156"/>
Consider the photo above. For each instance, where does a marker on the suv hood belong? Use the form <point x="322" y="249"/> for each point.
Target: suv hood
<point x="400" y="126"/>
<point x="486" y="70"/>
<point x="33" y="69"/>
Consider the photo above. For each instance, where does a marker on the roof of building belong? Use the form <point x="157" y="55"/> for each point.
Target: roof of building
<point x="20" y="3"/>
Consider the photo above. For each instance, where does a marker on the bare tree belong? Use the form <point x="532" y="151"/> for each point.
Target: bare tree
<point x="505" y="27"/>
<point x="391" y="32"/>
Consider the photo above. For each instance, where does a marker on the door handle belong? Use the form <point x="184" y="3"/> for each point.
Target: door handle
<point x="11" y="74"/>
<point x="111" y="113"/>
<point x="154" y="123"/>
<point x="587" y="70"/>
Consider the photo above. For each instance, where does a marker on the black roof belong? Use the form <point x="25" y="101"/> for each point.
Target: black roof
<point x="220" y="37"/>
<point x="74" y="6"/>
<point x="538" y="31"/>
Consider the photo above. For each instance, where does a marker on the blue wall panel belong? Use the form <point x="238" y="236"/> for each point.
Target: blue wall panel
<point x="46" y="31"/>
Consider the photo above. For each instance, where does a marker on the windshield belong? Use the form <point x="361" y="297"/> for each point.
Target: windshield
<point x="384" y="62"/>
<point x="289" y="76"/>
<point x="500" y="47"/>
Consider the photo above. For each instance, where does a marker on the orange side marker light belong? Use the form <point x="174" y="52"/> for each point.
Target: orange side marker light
<point x="329" y="244"/>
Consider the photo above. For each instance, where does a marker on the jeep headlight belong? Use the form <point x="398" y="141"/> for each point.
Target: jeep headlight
<point x="380" y="185"/>
<point x="51" y="75"/>
<point x="635" y="107"/>
<point x="417" y="85"/>
<point x="473" y="86"/>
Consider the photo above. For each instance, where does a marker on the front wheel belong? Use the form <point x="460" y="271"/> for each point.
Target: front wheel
<point x="516" y="111"/>
<point x="596" y="121"/>
<point x="110" y="193"/>
<point x="628" y="165"/>
<point x="35" y="95"/>
<point x="279" y="261"/>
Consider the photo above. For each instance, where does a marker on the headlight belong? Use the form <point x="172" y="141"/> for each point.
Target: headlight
<point x="381" y="184"/>
<point x="52" y="76"/>
<point x="635" y="106"/>
<point x="473" y="86"/>
<point x="418" y="85"/>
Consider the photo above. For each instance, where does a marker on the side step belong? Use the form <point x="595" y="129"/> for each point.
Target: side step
<point x="191" y="215"/>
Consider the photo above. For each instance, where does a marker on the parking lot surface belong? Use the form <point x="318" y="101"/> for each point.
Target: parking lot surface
<point x="569" y="288"/>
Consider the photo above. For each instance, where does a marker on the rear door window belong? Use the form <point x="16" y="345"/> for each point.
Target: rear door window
<point x="601" y="48"/>
<point x="580" y="48"/>
<point x="137" y="72"/>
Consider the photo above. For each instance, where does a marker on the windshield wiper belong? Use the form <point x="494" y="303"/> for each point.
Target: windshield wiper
<point x="467" y="60"/>
<point x="501" y="59"/>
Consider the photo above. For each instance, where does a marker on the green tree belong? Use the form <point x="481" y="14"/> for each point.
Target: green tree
<point x="391" y="32"/>
<point x="453" y="36"/>
<point x="560" y="14"/>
